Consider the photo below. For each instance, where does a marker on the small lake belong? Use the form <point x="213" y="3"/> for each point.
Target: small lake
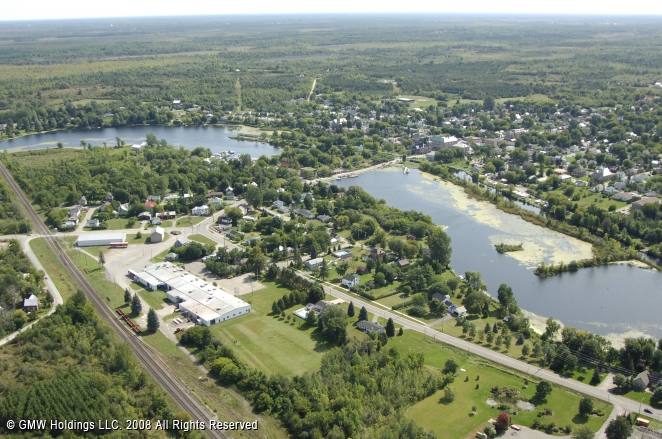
<point x="615" y="301"/>
<point x="217" y="139"/>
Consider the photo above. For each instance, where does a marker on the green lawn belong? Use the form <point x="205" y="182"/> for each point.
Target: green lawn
<point x="514" y="351"/>
<point x="132" y="238"/>
<point x="121" y="223"/>
<point x="454" y="419"/>
<point x="159" y="342"/>
<point x="161" y="256"/>
<point x="602" y="203"/>
<point x="112" y="293"/>
<point x="271" y="343"/>
<point x="642" y="397"/>
<point x="186" y="222"/>
<point x="202" y="238"/>
<point x="53" y="268"/>
<point x="154" y="299"/>
<point x="166" y="223"/>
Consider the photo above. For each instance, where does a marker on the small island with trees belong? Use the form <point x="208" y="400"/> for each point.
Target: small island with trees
<point x="505" y="248"/>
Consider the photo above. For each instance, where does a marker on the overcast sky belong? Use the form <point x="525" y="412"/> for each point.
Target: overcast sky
<point x="50" y="9"/>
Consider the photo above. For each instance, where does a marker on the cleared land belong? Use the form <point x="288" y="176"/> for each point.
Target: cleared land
<point x="457" y="420"/>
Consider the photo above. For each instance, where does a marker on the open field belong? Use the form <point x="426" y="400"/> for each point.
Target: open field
<point x="225" y="403"/>
<point x="52" y="266"/>
<point x="202" y="238"/>
<point x="457" y="420"/>
<point x="188" y="222"/>
<point x="119" y="224"/>
<point x="271" y="343"/>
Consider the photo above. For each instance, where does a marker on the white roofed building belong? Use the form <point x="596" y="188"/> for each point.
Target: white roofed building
<point x="100" y="239"/>
<point x="201" y="301"/>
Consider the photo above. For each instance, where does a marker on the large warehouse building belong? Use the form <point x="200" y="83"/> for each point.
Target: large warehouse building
<point x="201" y="301"/>
<point x="100" y="239"/>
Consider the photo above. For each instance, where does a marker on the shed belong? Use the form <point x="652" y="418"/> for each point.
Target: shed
<point x="157" y="235"/>
<point x="31" y="303"/>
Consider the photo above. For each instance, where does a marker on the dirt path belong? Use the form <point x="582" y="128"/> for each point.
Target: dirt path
<point x="237" y="89"/>
<point x="312" y="89"/>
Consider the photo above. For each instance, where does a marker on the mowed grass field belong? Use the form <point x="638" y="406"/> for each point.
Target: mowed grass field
<point x="454" y="419"/>
<point x="202" y="239"/>
<point x="63" y="282"/>
<point x="186" y="222"/>
<point x="271" y="343"/>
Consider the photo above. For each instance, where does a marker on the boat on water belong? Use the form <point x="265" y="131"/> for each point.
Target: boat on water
<point x="230" y="152"/>
<point x="406" y="170"/>
<point x="353" y="176"/>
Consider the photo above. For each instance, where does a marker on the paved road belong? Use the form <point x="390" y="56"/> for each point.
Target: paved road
<point x="596" y="392"/>
<point x="57" y="297"/>
<point x="148" y="357"/>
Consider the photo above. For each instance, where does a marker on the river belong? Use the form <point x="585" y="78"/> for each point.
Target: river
<point x="615" y="301"/>
<point x="217" y="139"/>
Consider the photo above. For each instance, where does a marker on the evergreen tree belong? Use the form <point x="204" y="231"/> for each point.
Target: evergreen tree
<point x="275" y="308"/>
<point x="488" y="328"/>
<point x="495" y="328"/>
<point x="390" y="328"/>
<point x="152" y="321"/>
<point x="363" y="314"/>
<point x="324" y="269"/>
<point x="127" y="296"/>
<point x="136" y="305"/>
<point x="350" y="309"/>
<point x="401" y="331"/>
<point x="595" y="379"/>
<point x="102" y="258"/>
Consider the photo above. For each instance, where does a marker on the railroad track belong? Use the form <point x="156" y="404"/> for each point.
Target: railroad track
<point x="152" y="363"/>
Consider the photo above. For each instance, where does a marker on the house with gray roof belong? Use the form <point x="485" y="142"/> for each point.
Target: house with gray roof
<point x="367" y="326"/>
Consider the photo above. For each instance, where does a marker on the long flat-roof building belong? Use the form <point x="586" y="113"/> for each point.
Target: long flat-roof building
<point x="202" y="301"/>
<point x="100" y="239"/>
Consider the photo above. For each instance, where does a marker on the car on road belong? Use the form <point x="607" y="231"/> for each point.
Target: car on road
<point x="175" y="232"/>
<point x="45" y="277"/>
<point x="647" y="410"/>
<point x="515" y="427"/>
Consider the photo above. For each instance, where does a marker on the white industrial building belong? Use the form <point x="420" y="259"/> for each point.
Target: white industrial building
<point x="100" y="239"/>
<point x="200" y="300"/>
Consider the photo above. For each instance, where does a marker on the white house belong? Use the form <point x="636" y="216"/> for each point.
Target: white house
<point x="311" y="263"/>
<point x="93" y="223"/>
<point x="351" y="280"/>
<point x="367" y="326"/>
<point x="200" y="210"/>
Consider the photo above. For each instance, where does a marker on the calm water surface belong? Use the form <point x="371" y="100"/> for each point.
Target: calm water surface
<point x="217" y="139"/>
<point x="614" y="300"/>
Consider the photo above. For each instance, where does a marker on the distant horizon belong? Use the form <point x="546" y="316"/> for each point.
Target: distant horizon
<point x="42" y="10"/>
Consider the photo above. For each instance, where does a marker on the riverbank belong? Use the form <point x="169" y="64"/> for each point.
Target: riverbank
<point x="551" y="246"/>
<point x="217" y="138"/>
<point x="599" y="257"/>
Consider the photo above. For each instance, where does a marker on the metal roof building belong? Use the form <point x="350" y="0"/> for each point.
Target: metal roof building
<point x="100" y="239"/>
<point x="202" y="301"/>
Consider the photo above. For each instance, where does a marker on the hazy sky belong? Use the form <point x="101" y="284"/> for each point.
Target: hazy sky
<point x="49" y="9"/>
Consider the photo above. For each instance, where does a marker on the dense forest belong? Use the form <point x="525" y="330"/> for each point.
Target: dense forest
<point x="131" y="71"/>
<point x="69" y="366"/>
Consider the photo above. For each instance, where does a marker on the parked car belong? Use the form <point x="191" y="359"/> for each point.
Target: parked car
<point x="647" y="410"/>
<point x="515" y="427"/>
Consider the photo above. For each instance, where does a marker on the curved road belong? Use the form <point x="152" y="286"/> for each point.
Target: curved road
<point x="57" y="298"/>
<point x="152" y="362"/>
<point x="378" y="309"/>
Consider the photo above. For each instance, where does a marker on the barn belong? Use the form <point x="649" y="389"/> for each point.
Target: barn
<point x="100" y="239"/>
